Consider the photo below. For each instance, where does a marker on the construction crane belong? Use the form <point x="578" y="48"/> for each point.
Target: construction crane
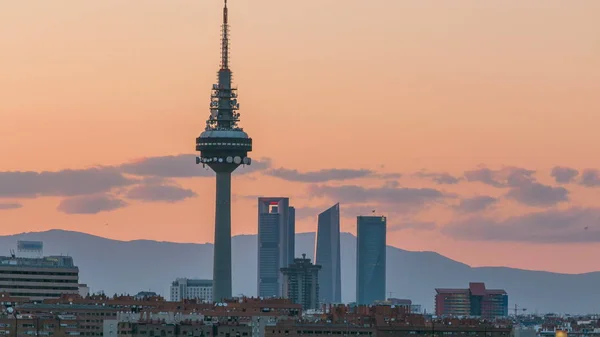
<point x="517" y="309"/>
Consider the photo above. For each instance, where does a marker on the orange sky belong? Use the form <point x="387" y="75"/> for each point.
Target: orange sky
<point x="387" y="85"/>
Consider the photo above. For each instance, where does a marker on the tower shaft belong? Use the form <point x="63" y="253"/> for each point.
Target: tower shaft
<point x="222" y="249"/>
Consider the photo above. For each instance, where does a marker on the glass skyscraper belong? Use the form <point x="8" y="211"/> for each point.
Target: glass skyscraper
<point x="276" y="248"/>
<point x="370" y="259"/>
<point x="327" y="253"/>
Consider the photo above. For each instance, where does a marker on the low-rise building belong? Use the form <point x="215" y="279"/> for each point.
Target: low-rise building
<point x="38" y="278"/>
<point x="474" y="301"/>
<point x="191" y="289"/>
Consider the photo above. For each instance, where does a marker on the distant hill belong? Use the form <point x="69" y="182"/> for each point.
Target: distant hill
<point x="128" y="267"/>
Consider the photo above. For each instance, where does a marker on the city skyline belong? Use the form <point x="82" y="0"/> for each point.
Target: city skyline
<point x="475" y="106"/>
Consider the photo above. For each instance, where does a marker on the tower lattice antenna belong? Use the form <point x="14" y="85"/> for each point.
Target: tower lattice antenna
<point x="225" y="39"/>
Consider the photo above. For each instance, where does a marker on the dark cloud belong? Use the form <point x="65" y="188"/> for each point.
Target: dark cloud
<point x="90" y="204"/>
<point x="157" y="192"/>
<point x="552" y="226"/>
<point x="506" y="177"/>
<point x="590" y="178"/>
<point x="476" y="204"/>
<point x="321" y="175"/>
<point x="182" y="166"/>
<point x="7" y="206"/>
<point x="414" y="225"/>
<point x="539" y="195"/>
<point x="384" y="194"/>
<point x="441" y="178"/>
<point x="61" y="183"/>
<point x="564" y="175"/>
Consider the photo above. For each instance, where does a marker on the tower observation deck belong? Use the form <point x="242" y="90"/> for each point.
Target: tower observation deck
<point x="223" y="146"/>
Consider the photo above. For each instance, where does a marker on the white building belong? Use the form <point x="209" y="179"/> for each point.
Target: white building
<point x="84" y="290"/>
<point x="190" y="289"/>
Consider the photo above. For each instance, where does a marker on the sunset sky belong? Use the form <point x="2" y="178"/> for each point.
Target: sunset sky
<point x="473" y="125"/>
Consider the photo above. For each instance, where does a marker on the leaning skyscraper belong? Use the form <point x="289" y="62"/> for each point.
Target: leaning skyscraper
<point x="223" y="147"/>
<point x="327" y="255"/>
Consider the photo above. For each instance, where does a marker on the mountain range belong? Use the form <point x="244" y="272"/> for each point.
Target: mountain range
<point x="131" y="266"/>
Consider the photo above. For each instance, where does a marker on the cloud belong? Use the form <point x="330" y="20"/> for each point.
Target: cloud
<point x="590" y="178"/>
<point x="441" y="178"/>
<point x="539" y="195"/>
<point x="308" y="212"/>
<point x="321" y="175"/>
<point x="61" y="183"/>
<point x="90" y="204"/>
<point x="505" y="177"/>
<point x="413" y="225"/>
<point x="552" y="226"/>
<point x="182" y="166"/>
<point x="564" y="175"/>
<point x="158" y="192"/>
<point x="476" y="204"/>
<point x="7" y="206"/>
<point x="385" y="194"/>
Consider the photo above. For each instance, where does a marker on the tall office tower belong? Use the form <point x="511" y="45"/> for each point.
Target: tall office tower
<point x="223" y="147"/>
<point x="370" y="259"/>
<point x="327" y="252"/>
<point x="276" y="238"/>
<point x="301" y="283"/>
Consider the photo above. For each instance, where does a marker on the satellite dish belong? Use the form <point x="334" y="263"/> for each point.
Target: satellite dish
<point x="246" y="160"/>
<point x="10" y="310"/>
<point x="230" y="159"/>
<point x="220" y="160"/>
<point x="237" y="160"/>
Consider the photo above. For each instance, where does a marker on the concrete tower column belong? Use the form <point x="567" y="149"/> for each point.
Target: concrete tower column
<point x="222" y="247"/>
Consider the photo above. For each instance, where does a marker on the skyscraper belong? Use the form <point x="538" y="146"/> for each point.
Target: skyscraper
<point x="223" y="147"/>
<point x="370" y="259"/>
<point x="327" y="253"/>
<point x="301" y="283"/>
<point x="276" y="243"/>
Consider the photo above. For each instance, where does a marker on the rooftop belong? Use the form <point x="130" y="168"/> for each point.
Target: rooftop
<point x="40" y="262"/>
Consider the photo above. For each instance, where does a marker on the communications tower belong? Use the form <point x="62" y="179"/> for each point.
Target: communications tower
<point x="223" y="147"/>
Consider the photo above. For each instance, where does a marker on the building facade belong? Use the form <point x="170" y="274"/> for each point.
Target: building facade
<point x="370" y="259"/>
<point x="301" y="283"/>
<point x="38" y="278"/>
<point x="276" y="243"/>
<point x="328" y="256"/>
<point x="191" y="289"/>
<point x="473" y="301"/>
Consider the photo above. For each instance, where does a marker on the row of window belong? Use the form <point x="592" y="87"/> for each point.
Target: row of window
<point x="47" y="273"/>
<point x="37" y="287"/>
<point x="223" y="144"/>
<point x="8" y="279"/>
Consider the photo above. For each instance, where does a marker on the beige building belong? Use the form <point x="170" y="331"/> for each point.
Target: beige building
<point x="38" y="278"/>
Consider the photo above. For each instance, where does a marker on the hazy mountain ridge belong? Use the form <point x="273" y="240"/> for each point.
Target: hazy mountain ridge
<point x="131" y="266"/>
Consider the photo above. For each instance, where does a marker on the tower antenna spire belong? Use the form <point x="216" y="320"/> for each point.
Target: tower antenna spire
<point x="225" y="39"/>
